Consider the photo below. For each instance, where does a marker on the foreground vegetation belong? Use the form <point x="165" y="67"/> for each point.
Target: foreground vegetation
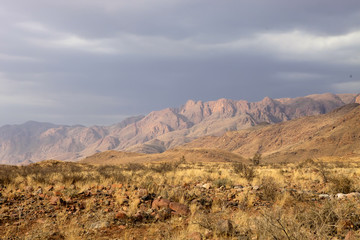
<point x="180" y="200"/>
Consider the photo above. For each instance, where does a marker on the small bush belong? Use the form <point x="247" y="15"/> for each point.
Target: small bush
<point x="269" y="189"/>
<point x="222" y="182"/>
<point x="244" y="171"/>
<point x="134" y="167"/>
<point x="163" y="167"/>
<point x="341" y="184"/>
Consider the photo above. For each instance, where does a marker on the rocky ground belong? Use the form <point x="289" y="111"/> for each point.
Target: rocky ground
<point x="167" y="205"/>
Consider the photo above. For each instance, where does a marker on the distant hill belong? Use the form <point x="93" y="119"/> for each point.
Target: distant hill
<point x="159" y="130"/>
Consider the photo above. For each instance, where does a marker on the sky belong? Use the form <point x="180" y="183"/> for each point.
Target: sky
<point x="99" y="61"/>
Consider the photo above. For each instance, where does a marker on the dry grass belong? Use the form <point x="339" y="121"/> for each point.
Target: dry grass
<point x="226" y="200"/>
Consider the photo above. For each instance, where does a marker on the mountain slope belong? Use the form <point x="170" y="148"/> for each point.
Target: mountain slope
<point x="157" y="131"/>
<point x="334" y="134"/>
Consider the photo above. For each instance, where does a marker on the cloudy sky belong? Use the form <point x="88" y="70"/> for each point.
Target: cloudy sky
<point x="99" y="61"/>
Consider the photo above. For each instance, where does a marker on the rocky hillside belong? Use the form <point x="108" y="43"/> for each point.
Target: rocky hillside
<point x="159" y="130"/>
<point x="336" y="134"/>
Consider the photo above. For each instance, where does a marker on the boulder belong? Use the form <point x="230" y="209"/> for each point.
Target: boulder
<point x="121" y="215"/>
<point x="160" y="203"/>
<point x="179" y="208"/>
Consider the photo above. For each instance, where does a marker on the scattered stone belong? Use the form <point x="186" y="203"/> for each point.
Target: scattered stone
<point x="54" y="200"/>
<point x="99" y="224"/>
<point x="29" y="189"/>
<point x="206" y="186"/>
<point x="255" y="187"/>
<point x="121" y="215"/>
<point x="160" y="203"/>
<point x="353" y="195"/>
<point x="324" y="196"/>
<point x="179" y="208"/>
<point x="163" y="214"/>
<point x="340" y="196"/>
<point x="139" y="216"/>
<point x="194" y="236"/>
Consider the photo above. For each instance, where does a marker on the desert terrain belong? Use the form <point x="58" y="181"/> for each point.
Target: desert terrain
<point x="292" y="179"/>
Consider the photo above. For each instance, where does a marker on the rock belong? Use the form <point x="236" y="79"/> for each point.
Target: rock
<point x="142" y="192"/>
<point x="353" y="195"/>
<point x="121" y="215"/>
<point x="179" y="208"/>
<point x="224" y="227"/>
<point x="54" y="200"/>
<point x="99" y="224"/>
<point x="29" y="189"/>
<point x="39" y="190"/>
<point x="49" y="188"/>
<point x="255" y="187"/>
<point x="324" y="196"/>
<point x="139" y="216"/>
<point x="163" y="214"/>
<point x="206" y="186"/>
<point x="194" y="236"/>
<point x="57" y="193"/>
<point x="160" y="203"/>
<point x="340" y="196"/>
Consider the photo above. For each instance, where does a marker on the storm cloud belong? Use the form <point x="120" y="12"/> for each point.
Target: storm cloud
<point x="99" y="61"/>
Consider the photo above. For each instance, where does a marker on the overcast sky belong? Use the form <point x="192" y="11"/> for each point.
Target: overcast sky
<point x="99" y="61"/>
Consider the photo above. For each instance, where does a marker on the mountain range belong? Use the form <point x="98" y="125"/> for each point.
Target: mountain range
<point x="159" y="130"/>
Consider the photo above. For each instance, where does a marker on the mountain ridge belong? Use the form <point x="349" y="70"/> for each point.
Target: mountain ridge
<point x="158" y="130"/>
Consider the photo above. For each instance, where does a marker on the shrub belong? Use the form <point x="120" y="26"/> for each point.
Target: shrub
<point x="269" y="189"/>
<point x="341" y="184"/>
<point x="222" y="182"/>
<point x="244" y="171"/>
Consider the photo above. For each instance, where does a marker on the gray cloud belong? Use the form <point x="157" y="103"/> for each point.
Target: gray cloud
<point x="96" y="62"/>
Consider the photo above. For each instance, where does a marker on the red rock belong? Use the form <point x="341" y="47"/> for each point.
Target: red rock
<point x="139" y="216"/>
<point x="179" y="208"/>
<point x="121" y="215"/>
<point x="57" y="193"/>
<point x="160" y="203"/>
<point x="54" y="200"/>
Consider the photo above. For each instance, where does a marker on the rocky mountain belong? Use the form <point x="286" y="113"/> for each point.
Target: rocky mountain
<point x="159" y="130"/>
<point x="335" y="134"/>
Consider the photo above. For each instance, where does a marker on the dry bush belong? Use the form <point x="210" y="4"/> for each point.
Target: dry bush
<point x="115" y="173"/>
<point x="244" y="171"/>
<point x="340" y="184"/>
<point x="269" y="189"/>
<point x="8" y="174"/>
<point x="135" y="167"/>
<point x="222" y="182"/>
